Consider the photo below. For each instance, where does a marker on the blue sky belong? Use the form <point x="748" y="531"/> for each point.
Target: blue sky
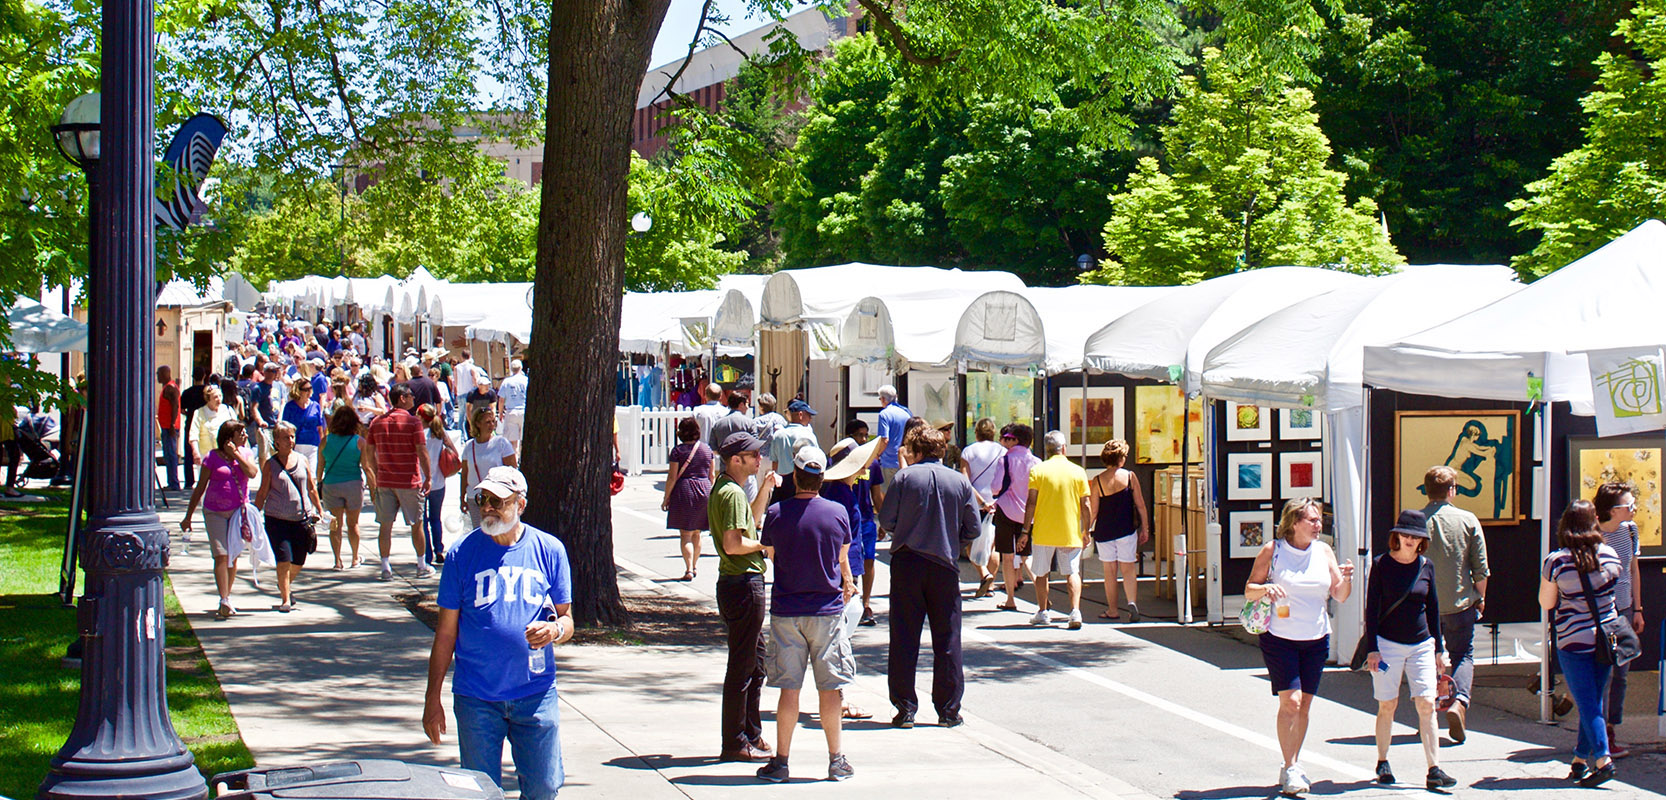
<point x="672" y="43"/>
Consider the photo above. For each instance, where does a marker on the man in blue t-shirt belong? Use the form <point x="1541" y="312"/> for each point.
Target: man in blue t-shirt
<point x="808" y="538"/>
<point x="505" y="598"/>
<point x="893" y="419"/>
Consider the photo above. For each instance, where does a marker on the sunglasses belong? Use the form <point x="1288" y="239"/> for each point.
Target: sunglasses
<point x="489" y="500"/>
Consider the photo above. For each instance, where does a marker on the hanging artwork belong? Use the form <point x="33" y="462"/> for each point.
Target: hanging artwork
<point x="1249" y="476"/>
<point x="1298" y="423"/>
<point x="1160" y="414"/>
<point x="1484" y="448"/>
<point x="1247" y="423"/>
<point x="1091" y="421"/>
<point x="931" y="394"/>
<point x="1300" y="475"/>
<point x="1247" y="531"/>
<point x="1003" y="398"/>
<point x="1631" y="459"/>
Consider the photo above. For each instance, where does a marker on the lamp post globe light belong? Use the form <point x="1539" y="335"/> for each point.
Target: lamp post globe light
<point x="77" y="137"/>
<point x="123" y="744"/>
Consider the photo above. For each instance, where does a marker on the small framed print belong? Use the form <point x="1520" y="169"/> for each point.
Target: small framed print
<point x="1300" y="475"/>
<point x="1247" y="531"/>
<point x="1249" y="476"/>
<point x="1247" y="423"/>
<point x="1298" y="423"/>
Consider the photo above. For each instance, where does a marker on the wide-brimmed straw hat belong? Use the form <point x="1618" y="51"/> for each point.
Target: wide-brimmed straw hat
<point x="853" y="462"/>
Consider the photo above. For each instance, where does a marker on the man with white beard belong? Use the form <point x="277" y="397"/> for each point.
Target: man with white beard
<point x="506" y="590"/>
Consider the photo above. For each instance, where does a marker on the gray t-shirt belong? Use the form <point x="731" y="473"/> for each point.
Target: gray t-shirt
<point x="732" y="423"/>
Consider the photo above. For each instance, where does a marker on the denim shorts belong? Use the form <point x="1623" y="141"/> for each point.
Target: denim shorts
<point x="1293" y="664"/>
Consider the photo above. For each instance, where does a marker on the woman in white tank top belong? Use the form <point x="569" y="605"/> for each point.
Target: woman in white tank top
<point x="1297" y="572"/>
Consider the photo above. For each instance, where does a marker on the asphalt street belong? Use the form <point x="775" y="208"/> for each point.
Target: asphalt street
<point x="1177" y="711"/>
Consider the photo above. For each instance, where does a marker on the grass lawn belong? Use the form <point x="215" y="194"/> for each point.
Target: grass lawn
<point x="38" y="697"/>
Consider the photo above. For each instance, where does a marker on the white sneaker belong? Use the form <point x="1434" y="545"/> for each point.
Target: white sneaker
<point x="387" y="574"/>
<point x="1296" y="783"/>
<point x="1075" y="620"/>
<point x="1040" y="618"/>
<point x="424" y="571"/>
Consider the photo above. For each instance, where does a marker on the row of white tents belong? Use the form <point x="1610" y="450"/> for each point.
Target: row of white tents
<point x="1281" y="337"/>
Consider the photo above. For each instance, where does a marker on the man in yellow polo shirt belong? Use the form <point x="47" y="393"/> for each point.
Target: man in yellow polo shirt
<point x="1056" y="523"/>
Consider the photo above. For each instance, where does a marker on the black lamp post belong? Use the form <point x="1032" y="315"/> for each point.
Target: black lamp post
<point x="123" y="743"/>
<point x="77" y="136"/>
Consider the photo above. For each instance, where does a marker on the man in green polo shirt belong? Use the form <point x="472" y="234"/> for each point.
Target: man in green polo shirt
<point x="740" y="594"/>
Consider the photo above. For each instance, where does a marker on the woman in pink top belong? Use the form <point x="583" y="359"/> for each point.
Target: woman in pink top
<point x="223" y="489"/>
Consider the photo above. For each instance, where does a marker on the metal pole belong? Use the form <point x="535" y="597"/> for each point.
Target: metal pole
<point x="123" y="744"/>
<point x="1184" y="592"/>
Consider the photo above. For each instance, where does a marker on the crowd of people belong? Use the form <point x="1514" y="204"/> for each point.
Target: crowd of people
<point x="772" y="496"/>
<point x="325" y="428"/>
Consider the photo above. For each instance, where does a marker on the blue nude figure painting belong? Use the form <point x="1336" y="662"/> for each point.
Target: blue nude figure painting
<point x="1481" y="446"/>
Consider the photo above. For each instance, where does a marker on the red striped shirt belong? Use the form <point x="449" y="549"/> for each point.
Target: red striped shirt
<point x="400" y="446"/>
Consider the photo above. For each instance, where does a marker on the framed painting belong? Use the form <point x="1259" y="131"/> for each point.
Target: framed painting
<point x="1161" y="413"/>
<point x="931" y="394"/>
<point x="1593" y="462"/>
<point x="1247" y="423"/>
<point x="1247" y="531"/>
<point x="1298" y="423"/>
<point x="1249" y="476"/>
<point x="865" y="380"/>
<point x="1003" y="398"/>
<point x="1484" y="447"/>
<point x="1301" y="474"/>
<point x="1089" y="421"/>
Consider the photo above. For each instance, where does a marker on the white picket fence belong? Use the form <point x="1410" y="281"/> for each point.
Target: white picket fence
<point x="647" y="436"/>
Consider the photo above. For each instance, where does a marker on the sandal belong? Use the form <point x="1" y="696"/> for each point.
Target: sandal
<point x="1109" y="615"/>
<point x="1006" y="607"/>
<point x="688" y="576"/>
<point x="984" y="587"/>
<point x="855" y="712"/>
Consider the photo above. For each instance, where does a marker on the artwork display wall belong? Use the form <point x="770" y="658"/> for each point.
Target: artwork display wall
<point x="931" y="394"/>
<point x="1484" y="447"/>
<point x="1269" y="456"/>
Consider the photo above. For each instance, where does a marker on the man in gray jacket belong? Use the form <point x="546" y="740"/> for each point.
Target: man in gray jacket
<point x="930" y="511"/>
<point x="1458" y="551"/>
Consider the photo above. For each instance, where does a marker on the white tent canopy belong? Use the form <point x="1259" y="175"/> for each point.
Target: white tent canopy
<point x="1314" y="352"/>
<point x="38" y="329"/>
<point x="903" y="332"/>
<point x="1179" y="329"/>
<point x="369" y="294"/>
<point x="240" y="292"/>
<point x="1611" y="298"/>
<point x="822" y="297"/>
<point x="463" y="304"/>
<point x="183" y="293"/>
<point x="1041" y="327"/>
<point x="650" y="320"/>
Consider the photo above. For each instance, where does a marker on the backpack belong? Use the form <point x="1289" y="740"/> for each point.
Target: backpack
<point x="247" y="395"/>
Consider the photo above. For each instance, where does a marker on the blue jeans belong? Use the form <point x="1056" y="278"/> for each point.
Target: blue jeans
<point x="1458" y="630"/>
<point x="433" y="530"/>
<point x="533" y="727"/>
<point x="170" y="457"/>
<point x="1588" y="683"/>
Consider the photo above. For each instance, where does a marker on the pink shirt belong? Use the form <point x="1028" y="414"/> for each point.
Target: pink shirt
<point x="228" y="487"/>
<point x="1014" y="466"/>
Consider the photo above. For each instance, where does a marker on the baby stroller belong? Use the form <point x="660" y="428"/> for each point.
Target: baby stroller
<point x="43" y="463"/>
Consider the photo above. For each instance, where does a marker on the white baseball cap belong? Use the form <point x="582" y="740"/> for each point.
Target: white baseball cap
<point x="503" y="482"/>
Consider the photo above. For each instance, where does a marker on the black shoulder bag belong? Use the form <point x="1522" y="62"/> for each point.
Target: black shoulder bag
<point x="1617" y="643"/>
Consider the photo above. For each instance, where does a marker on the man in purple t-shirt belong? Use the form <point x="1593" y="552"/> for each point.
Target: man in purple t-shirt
<point x="808" y="538"/>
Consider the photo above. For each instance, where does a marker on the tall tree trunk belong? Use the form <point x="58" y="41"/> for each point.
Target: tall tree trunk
<point x="598" y="52"/>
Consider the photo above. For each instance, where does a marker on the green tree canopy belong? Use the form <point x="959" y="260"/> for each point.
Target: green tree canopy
<point x="1245" y="186"/>
<point x="1616" y="179"/>
<point x="1442" y="110"/>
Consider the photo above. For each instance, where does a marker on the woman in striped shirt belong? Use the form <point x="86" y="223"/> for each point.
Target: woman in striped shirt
<point x="1575" y="617"/>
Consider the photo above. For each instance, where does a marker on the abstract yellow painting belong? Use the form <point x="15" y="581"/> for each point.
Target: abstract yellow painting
<point x="1600" y="461"/>
<point x="1160" y="413"/>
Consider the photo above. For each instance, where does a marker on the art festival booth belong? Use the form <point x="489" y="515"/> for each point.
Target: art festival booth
<point x="801" y="322"/>
<point x="451" y="312"/>
<point x="1536" y="400"/>
<point x="1157" y="353"/>
<point x="1296" y="373"/>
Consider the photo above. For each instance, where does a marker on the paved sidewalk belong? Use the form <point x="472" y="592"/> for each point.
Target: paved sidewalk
<point x="342" y="677"/>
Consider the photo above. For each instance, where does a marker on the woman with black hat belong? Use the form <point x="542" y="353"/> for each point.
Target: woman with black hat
<point x="1402" y="625"/>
